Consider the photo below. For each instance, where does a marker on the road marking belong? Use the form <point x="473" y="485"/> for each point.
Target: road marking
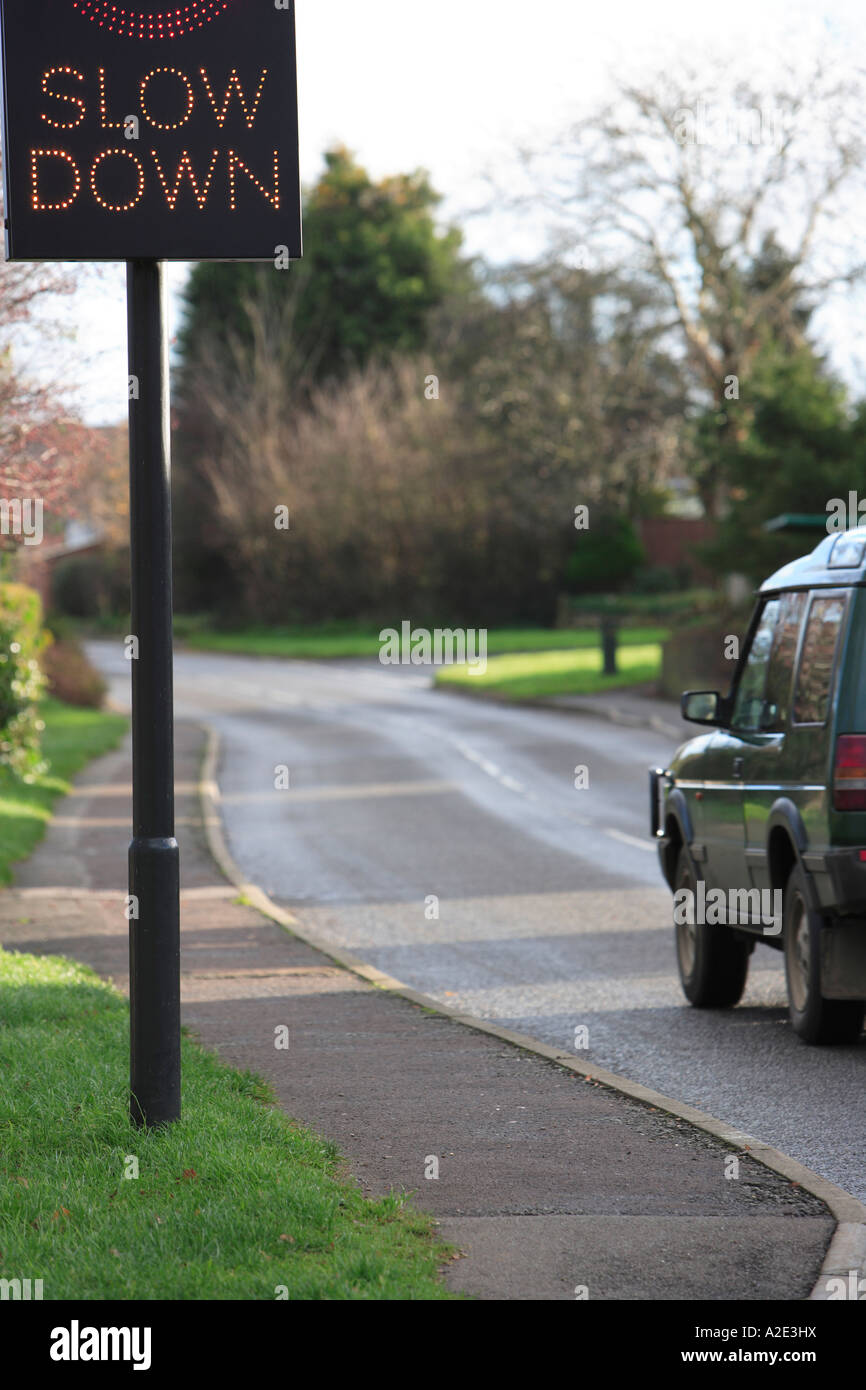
<point x="353" y="792"/>
<point x="511" y="783"/>
<point x="628" y="839"/>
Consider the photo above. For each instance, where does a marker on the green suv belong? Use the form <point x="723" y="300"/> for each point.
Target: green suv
<point x="761" y="823"/>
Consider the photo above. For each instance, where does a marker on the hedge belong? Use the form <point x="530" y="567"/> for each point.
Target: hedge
<point x="22" y="641"/>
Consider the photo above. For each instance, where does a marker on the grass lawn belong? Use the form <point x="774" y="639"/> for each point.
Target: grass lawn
<point x="234" y="1201"/>
<point x="72" y="737"/>
<point x="348" y="640"/>
<point x="529" y="676"/>
<point x="310" y="643"/>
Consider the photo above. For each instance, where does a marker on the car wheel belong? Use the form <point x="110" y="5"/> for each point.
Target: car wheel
<point x="713" y="963"/>
<point x="813" y="1019"/>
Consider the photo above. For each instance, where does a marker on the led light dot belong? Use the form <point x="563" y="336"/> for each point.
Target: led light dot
<point x="234" y="82"/>
<point x="185" y="166"/>
<point x="160" y="125"/>
<point x="35" y="156"/>
<point x="235" y="162"/>
<point x="103" y="202"/>
<point x="76" y="101"/>
<point x="132" y="24"/>
<point x="103" y="106"/>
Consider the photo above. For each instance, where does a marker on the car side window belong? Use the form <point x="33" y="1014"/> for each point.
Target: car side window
<point x="752" y="685"/>
<point x="780" y="673"/>
<point x="817" y="659"/>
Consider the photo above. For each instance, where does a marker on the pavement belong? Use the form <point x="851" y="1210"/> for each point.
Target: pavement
<point x="553" y="1185"/>
<point x="638" y="707"/>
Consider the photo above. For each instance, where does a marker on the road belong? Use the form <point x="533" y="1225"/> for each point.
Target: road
<point x="443" y="840"/>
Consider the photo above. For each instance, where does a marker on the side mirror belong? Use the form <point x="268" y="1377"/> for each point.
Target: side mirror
<point x="702" y="706"/>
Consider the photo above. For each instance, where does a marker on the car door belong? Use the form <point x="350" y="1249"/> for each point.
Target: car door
<point x="724" y="833"/>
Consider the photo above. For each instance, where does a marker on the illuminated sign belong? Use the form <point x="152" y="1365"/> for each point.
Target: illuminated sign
<point x="142" y="132"/>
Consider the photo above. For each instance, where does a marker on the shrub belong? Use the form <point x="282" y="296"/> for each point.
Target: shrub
<point x="22" y="641"/>
<point x="605" y="557"/>
<point x="694" y="655"/>
<point x="71" y="677"/>
<point x="658" y="579"/>
<point x="92" y="585"/>
<point x="689" y="605"/>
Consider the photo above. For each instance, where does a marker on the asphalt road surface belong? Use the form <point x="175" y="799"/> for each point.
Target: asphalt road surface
<point x="443" y="840"/>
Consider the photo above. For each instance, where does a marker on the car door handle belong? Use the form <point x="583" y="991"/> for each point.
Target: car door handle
<point x="738" y="767"/>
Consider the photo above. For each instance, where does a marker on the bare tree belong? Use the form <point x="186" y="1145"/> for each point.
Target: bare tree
<point x="729" y="196"/>
<point x="40" y="434"/>
<point x="324" y="503"/>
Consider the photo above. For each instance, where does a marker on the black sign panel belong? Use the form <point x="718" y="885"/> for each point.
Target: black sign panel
<point x="137" y="131"/>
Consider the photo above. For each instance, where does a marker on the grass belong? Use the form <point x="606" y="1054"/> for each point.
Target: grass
<point x="524" y="663"/>
<point x="535" y="675"/>
<point x="332" y="640"/>
<point x="72" y="737"/>
<point x="329" y="640"/>
<point x="235" y="1201"/>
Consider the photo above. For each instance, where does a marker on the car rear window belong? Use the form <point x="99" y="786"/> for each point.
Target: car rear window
<point x="817" y="658"/>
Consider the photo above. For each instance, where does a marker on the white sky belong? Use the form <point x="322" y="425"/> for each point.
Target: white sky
<point x="455" y="85"/>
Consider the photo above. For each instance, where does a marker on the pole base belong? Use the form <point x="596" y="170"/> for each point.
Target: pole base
<point x="154" y="981"/>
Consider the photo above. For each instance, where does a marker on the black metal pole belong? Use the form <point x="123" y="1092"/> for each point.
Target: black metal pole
<point x="154" y="868"/>
<point x="609" y="645"/>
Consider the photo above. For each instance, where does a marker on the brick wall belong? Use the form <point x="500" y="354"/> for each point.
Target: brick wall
<point x="671" y="541"/>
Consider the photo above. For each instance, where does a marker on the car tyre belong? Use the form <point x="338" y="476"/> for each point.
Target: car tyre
<point x="814" y="1019"/>
<point x="713" y="963"/>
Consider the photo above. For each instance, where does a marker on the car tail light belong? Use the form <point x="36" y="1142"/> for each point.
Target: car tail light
<point x="849" y="773"/>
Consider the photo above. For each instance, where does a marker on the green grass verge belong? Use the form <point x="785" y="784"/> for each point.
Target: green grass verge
<point x="532" y="676"/>
<point x="235" y="1201"/>
<point x="346" y="640"/>
<point x="72" y="737"/>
